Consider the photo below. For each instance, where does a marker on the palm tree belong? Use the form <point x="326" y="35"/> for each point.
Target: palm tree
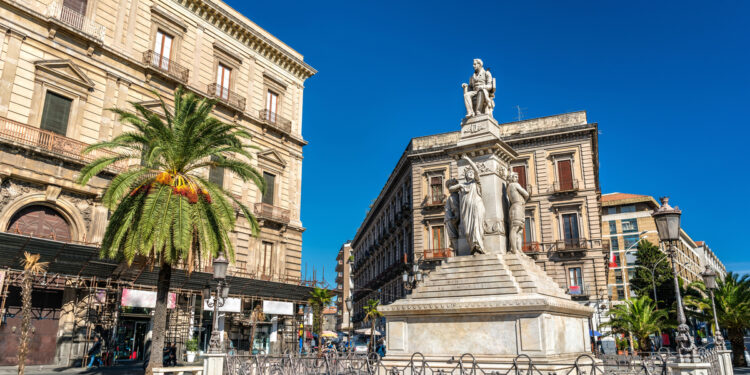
<point x="256" y="316"/>
<point x="732" y="308"/>
<point x="640" y="317"/>
<point x="165" y="209"/>
<point x="372" y="314"/>
<point x="319" y="298"/>
<point x="31" y="267"/>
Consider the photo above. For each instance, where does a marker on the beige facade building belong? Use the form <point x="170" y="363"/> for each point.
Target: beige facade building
<point x="626" y="220"/>
<point x="558" y="164"/>
<point x="63" y="63"/>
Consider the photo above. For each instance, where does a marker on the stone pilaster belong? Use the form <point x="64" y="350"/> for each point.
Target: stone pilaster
<point x="15" y="40"/>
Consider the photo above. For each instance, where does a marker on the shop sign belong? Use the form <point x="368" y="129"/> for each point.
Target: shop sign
<point x="230" y="305"/>
<point x="144" y="298"/>
<point x="278" y="308"/>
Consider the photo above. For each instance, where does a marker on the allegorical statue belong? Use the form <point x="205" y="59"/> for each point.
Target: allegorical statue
<point x="479" y="93"/>
<point x="452" y="215"/>
<point x="471" y="207"/>
<point x="517" y="196"/>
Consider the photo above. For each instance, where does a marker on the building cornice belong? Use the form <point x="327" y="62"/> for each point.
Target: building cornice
<point x="245" y="33"/>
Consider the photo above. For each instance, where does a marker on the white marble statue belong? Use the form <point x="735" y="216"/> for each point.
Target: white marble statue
<point x="452" y="215"/>
<point x="471" y="208"/>
<point x="517" y="196"/>
<point x="479" y="93"/>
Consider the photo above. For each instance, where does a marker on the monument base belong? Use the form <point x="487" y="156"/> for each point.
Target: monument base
<point x="494" y="306"/>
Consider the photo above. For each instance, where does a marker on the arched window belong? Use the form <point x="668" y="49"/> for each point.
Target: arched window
<point x="40" y="221"/>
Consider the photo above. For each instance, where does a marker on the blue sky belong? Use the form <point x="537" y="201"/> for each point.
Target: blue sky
<point x="668" y="84"/>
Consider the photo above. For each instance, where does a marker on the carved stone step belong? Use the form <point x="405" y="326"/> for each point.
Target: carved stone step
<point x="456" y="293"/>
<point x="472" y="279"/>
<point x="468" y="286"/>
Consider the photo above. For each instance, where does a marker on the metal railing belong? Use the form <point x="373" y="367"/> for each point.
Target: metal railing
<point x="53" y="143"/>
<point x="76" y="20"/>
<point x="271" y="212"/>
<point x="531" y="247"/>
<point x="430" y="254"/>
<point x="433" y="201"/>
<point x="565" y="186"/>
<point x="572" y="244"/>
<point x="225" y="95"/>
<point x="166" y="66"/>
<point x="273" y="119"/>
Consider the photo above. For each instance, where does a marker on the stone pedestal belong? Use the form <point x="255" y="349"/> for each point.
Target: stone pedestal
<point x="701" y="368"/>
<point x="480" y="142"/>
<point x="213" y="363"/>
<point x="494" y="306"/>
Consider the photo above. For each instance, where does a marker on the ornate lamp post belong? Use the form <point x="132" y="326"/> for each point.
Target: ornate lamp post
<point x="222" y="292"/>
<point x="668" y="225"/>
<point x="709" y="279"/>
<point x="349" y="308"/>
<point x="413" y="278"/>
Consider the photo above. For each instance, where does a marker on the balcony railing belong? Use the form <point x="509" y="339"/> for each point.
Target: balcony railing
<point x="430" y="254"/>
<point x="276" y="121"/>
<point x="273" y="213"/>
<point x="223" y="94"/>
<point x="531" y="247"/>
<point x="574" y="244"/>
<point x="578" y="290"/>
<point x="434" y="200"/>
<point x="53" y="143"/>
<point x="164" y="65"/>
<point x="76" y="20"/>
<point x="565" y="186"/>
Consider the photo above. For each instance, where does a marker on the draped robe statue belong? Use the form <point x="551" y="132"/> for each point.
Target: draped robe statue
<point x="471" y="208"/>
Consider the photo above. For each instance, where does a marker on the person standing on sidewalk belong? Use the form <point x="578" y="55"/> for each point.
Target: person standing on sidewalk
<point x="94" y="353"/>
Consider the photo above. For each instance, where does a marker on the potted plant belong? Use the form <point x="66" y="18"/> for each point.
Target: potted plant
<point x="192" y="348"/>
<point x="622" y="344"/>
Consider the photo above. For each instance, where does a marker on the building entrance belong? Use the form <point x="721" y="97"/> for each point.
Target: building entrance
<point x="131" y="338"/>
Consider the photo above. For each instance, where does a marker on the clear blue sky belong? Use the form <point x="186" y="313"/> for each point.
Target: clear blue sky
<point x="668" y="84"/>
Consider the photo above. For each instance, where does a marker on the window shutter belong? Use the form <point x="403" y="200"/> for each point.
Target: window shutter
<point x="55" y="113"/>
<point x="521" y="170"/>
<point x="270" y="182"/>
<point x="564" y="175"/>
<point x="79" y="6"/>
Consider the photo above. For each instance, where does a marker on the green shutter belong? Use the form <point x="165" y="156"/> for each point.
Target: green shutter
<point x="55" y="113"/>
<point x="216" y="175"/>
<point x="270" y="181"/>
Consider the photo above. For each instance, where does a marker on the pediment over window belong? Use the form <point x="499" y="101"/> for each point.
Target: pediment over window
<point x="272" y="157"/>
<point x="154" y="106"/>
<point x="66" y="71"/>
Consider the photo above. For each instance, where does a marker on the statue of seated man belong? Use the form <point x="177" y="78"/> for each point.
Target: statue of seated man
<point x="479" y="93"/>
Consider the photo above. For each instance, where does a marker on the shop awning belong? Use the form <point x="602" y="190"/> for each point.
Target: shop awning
<point x="82" y="260"/>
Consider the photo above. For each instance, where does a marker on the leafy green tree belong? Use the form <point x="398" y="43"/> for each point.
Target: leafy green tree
<point x="319" y="299"/>
<point x="164" y="207"/>
<point x="732" y="309"/>
<point x="640" y="317"/>
<point x="372" y="314"/>
<point x="647" y="256"/>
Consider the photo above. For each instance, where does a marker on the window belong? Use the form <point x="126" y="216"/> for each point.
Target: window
<point x="55" y="113"/>
<point x="267" y="257"/>
<point x="438" y="237"/>
<point x="570" y="228"/>
<point x="270" y="182"/>
<point x="620" y="293"/>
<point x="436" y="189"/>
<point x="272" y="105"/>
<point x="616" y="258"/>
<point x="162" y="49"/>
<point x="630" y="258"/>
<point x="521" y="171"/>
<point x="629" y="225"/>
<point x="222" y="81"/>
<point x="631" y="275"/>
<point x="528" y="231"/>
<point x="564" y="175"/>
<point x="77" y="7"/>
<point x="628" y="208"/>
<point x="216" y="174"/>
<point x="610" y="210"/>
<point x="615" y="243"/>
<point x="612" y="227"/>
<point x="629" y="241"/>
<point x="618" y="276"/>
<point x="576" y="277"/>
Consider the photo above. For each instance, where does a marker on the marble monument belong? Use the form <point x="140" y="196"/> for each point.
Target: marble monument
<point x="490" y="299"/>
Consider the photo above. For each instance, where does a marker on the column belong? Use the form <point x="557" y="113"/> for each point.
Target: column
<point x="15" y="40"/>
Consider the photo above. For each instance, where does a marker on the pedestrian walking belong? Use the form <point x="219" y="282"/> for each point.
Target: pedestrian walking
<point x="95" y="352"/>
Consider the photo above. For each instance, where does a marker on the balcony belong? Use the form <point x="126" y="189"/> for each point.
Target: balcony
<point x="48" y="142"/>
<point x="275" y="121"/>
<point x="437" y="254"/>
<point x="224" y="95"/>
<point x="272" y="213"/>
<point x="565" y="186"/>
<point x="76" y="21"/>
<point x="574" y="245"/>
<point x="580" y="291"/>
<point x="166" y="67"/>
<point x="531" y="247"/>
<point x="431" y="201"/>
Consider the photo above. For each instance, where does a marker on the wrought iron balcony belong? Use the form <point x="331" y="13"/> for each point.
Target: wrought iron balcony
<point x="431" y="201"/>
<point x="531" y="247"/>
<point x="436" y="254"/>
<point x="49" y="142"/>
<point x="272" y="213"/>
<point x="274" y="120"/>
<point x="565" y="186"/>
<point x="76" y="21"/>
<point x="223" y="94"/>
<point x="165" y="66"/>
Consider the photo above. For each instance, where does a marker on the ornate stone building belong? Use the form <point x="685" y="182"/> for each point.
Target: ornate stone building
<point x="558" y="163"/>
<point x="64" y="63"/>
<point x="626" y="220"/>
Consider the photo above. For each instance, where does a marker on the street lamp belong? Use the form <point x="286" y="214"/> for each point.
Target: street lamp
<point x="349" y="308"/>
<point x="709" y="279"/>
<point x="222" y="292"/>
<point x="413" y="278"/>
<point x="668" y="225"/>
<point x="653" y="275"/>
